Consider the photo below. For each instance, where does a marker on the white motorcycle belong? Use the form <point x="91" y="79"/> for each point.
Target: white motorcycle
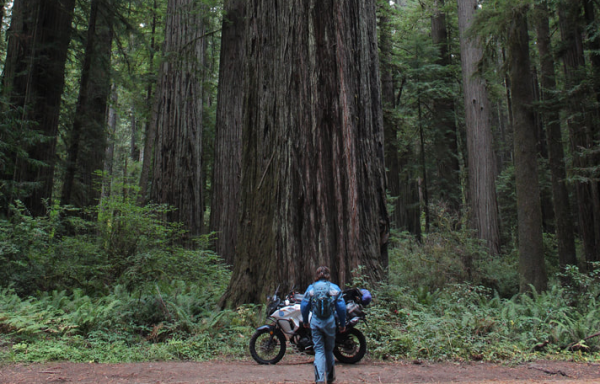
<point x="268" y="343"/>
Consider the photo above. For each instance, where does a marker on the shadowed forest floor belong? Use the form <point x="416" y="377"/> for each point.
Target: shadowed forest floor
<point x="299" y="370"/>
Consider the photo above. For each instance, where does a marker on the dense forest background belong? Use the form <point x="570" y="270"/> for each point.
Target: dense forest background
<point x="166" y="164"/>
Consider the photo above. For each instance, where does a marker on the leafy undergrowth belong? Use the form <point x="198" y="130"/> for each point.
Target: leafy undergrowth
<point x="459" y="322"/>
<point x="426" y="311"/>
<point x="105" y="291"/>
<point x="180" y="323"/>
<point x="464" y="322"/>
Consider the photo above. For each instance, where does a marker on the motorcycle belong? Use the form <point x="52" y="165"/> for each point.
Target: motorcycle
<point x="268" y="343"/>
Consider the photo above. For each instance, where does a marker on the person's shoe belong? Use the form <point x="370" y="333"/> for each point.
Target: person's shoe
<point x="331" y="376"/>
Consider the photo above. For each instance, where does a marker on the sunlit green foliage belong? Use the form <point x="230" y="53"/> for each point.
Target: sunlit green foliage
<point x="128" y="245"/>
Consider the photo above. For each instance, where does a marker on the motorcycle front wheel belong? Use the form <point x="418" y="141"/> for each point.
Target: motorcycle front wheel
<point x="350" y="346"/>
<point x="267" y="346"/>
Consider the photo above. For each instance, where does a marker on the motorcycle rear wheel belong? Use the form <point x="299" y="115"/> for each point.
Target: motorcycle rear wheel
<point x="267" y="346"/>
<point x="350" y="346"/>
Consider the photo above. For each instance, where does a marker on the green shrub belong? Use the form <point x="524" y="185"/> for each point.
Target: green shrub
<point x="449" y="257"/>
<point x="127" y="245"/>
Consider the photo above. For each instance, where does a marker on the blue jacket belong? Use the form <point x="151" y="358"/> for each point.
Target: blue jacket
<point x="340" y="304"/>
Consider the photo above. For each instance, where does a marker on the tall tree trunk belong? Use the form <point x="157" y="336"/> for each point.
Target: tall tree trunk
<point x="542" y="150"/>
<point x="177" y="176"/>
<point x="593" y="44"/>
<point x="224" y="215"/>
<point x="482" y="161"/>
<point x="556" y="156"/>
<point x="532" y="267"/>
<point x="134" y="152"/>
<point x="388" y="98"/>
<point x="313" y="176"/>
<point x="33" y="79"/>
<point x="409" y="192"/>
<point x="88" y="137"/>
<point x="110" y="147"/>
<point x="424" y="187"/>
<point x="150" y="126"/>
<point x="580" y="127"/>
<point x="446" y="144"/>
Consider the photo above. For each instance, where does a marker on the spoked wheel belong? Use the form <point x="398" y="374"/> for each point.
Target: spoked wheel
<point x="350" y="346"/>
<point x="267" y="346"/>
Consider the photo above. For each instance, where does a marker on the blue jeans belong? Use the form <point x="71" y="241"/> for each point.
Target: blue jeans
<point x="323" y="335"/>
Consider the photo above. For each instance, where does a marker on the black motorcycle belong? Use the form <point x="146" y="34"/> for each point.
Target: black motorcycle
<point x="268" y="343"/>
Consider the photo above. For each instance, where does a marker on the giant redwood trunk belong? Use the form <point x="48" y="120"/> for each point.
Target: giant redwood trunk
<point x="481" y="162"/>
<point x="580" y="122"/>
<point x="532" y="267"/>
<point x="33" y="79"/>
<point x="556" y="155"/>
<point x="313" y="183"/>
<point x="88" y="136"/>
<point x="177" y="179"/>
<point x="228" y="140"/>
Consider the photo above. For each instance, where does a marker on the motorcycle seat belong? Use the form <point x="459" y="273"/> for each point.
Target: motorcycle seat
<point x="297" y="297"/>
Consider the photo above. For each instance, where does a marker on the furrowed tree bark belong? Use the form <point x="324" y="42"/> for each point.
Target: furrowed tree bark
<point x="224" y="215"/>
<point x="33" y="79"/>
<point x="556" y="156"/>
<point x="88" y="137"/>
<point x="313" y="176"/>
<point x="532" y="267"/>
<point x="446" y="144"/>
<point x="580" y="124"/>
<point x="481" y="158"/>
<point x="177" y="176"/>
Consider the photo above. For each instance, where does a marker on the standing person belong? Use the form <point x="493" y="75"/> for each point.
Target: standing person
<point x="323" y="299"/>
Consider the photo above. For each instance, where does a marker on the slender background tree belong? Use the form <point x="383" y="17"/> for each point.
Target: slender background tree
<point x="177" y="179"/>
<point x="532" y="265"/>
<point x="482" y="162"/>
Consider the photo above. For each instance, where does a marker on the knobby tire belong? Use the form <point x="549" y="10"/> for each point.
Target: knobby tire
<point x="362" y="348"/>
<point x="264" y="341"/>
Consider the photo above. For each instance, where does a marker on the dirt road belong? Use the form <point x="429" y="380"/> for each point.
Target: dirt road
<point x="300" y="371"/>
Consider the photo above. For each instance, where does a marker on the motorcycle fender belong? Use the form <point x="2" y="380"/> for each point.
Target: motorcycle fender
<point x="340" y="337"/>
<point x="266" y="327"/>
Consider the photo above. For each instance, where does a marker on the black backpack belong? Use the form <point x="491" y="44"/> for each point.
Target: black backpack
<point x="321" y="301"/>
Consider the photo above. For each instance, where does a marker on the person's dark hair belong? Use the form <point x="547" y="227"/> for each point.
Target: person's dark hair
<point x="322" y="273"/>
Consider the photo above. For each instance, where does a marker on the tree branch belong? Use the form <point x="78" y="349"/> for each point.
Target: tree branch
<point x="198" y="38"/>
